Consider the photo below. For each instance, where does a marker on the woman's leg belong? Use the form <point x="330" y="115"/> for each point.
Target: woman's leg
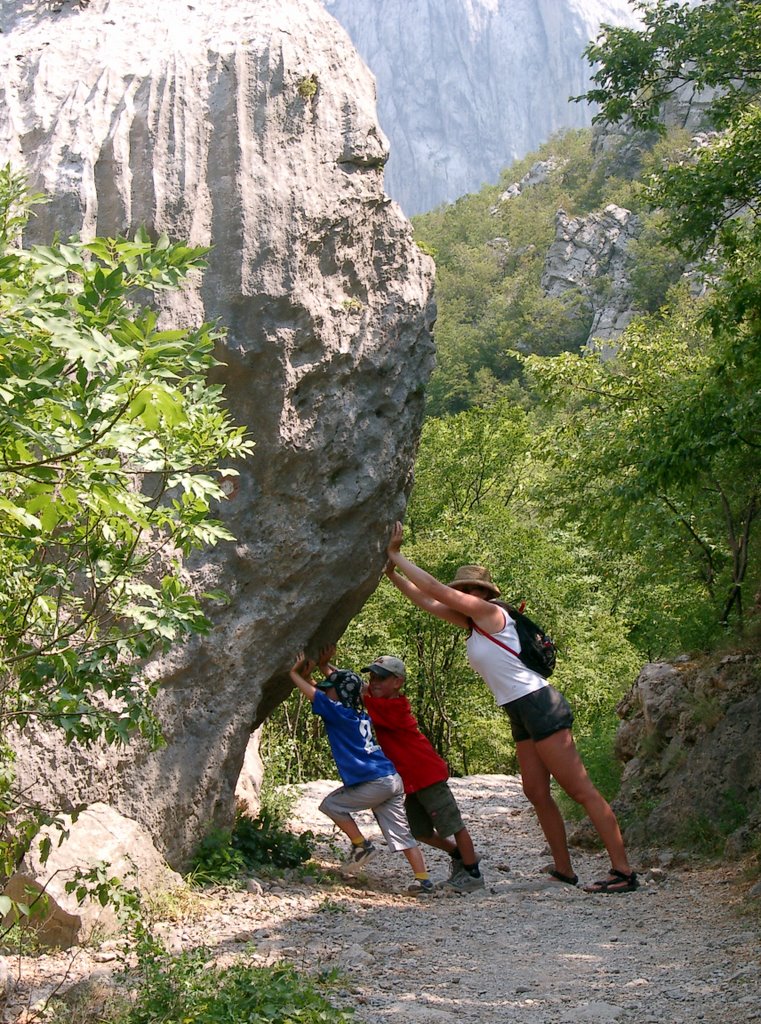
<point x="535" y="776"/>
<point x="561" y="759"/>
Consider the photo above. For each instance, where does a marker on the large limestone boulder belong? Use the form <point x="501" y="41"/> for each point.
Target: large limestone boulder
<point x="250" y="127"/>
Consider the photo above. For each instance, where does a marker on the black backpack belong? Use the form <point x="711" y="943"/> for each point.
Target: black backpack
<point x="538" y="651"/>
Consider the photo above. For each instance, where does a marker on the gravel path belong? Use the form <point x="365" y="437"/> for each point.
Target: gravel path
<point x="685" y="947"/>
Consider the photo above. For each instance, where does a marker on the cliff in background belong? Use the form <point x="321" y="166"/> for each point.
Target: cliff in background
<point x="250" y="128"/>
<point x="465" y="87"/>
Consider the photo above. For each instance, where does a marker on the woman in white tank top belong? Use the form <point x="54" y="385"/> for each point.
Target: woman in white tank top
<point x="539" y="715"/>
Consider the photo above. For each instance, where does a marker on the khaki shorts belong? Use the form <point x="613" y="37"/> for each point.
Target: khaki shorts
<point x="433" y="808"/>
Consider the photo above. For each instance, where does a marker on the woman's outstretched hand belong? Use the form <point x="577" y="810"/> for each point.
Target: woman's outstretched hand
<point x="395" y="544"/>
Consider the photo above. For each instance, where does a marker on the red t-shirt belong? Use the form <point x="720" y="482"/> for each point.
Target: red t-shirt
<point x="404" y="744"/>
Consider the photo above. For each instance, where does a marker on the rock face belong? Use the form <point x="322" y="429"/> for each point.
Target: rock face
<point x="691" y="742"/>
<point x="590" y="259"/>
<point x="251" y="128"/>
<point x="465" y="87"/>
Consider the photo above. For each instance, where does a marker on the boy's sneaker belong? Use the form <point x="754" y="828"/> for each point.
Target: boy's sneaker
<point x="464" y="882"/>
<point x="454" y="869"/>
<point x="421" y="887"/>
<point x="359" y="856"/>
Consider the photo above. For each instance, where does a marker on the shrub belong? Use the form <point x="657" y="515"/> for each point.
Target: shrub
<point x="186" y="988"/>
<point x="253" y="842"/>
<point x="262" y="840"/>
<point x="190" y="987"/>
<point x="215" y="859"/>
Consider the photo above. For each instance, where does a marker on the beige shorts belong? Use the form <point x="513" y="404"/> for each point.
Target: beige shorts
<point x="384" y="797"/>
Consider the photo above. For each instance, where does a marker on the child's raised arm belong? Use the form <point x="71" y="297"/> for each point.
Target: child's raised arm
<point x="300" y="672"/>
<point x="324" y="663"/>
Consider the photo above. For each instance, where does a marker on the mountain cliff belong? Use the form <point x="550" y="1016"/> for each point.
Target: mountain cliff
<point x="465" y="87"/>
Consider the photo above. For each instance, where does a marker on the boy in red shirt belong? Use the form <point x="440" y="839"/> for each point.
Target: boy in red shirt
<point x="431" y="808"/>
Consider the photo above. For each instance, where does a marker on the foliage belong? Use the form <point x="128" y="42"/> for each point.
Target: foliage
<point x="490" y="252"/>
<point x="215" y="860"/>
<point x="706" y="836"/>
<point x="662" y="450"/>
<point x="109" y="439"/>
<point x="186" y="988"/>
<point x="110" y="442"/>
<point x="224" y="854"/>
<point x="655" y="266"/>
<point x="307" y="87"/>
<point x="263" y="840"/>
<point x="160" y="988"/>
<point x="713" y="47"/>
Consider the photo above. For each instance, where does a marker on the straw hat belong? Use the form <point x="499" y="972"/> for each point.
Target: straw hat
<point x="474" y="576"/>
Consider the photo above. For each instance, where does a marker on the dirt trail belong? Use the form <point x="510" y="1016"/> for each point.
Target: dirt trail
<point x="526" y="950"/>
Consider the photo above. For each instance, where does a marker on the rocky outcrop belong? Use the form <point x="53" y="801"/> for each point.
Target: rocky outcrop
<point x="589" y="260"/>
<point x="465" y="87"/>
<point x="251" y="128"/>
<point x="622" y="148"/>
<point x="690" y="738"/>
<point x="98" y="836"/>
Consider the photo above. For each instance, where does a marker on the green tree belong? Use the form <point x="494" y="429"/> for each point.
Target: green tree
<point x="699" y="432"/>
<point x="713" y="47"/>
<point x="661" y="447"/>
<point x="110" y="443"/>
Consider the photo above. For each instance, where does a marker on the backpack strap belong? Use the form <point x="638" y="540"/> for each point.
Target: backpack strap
<point x="494" y="640"/>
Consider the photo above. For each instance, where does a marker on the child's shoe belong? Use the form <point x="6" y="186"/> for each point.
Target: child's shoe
<point x="359" y="856"/>
<point x="421" y="887"/>
<point x="464" y="882"/>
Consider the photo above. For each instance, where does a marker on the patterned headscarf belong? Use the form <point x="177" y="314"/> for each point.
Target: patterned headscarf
<point x="348" y="686"/>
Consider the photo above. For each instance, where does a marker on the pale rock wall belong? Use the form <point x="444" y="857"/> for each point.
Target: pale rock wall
<point x="590" y="258"/>
<point x="188" y="118"/>
<point x="465" y="87"/>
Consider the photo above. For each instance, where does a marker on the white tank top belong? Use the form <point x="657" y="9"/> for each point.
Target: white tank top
<point x="505" y="674"/>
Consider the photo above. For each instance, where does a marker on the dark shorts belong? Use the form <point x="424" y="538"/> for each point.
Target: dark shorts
<point x="433" y="807"/>
<point x="539" y="714"/>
